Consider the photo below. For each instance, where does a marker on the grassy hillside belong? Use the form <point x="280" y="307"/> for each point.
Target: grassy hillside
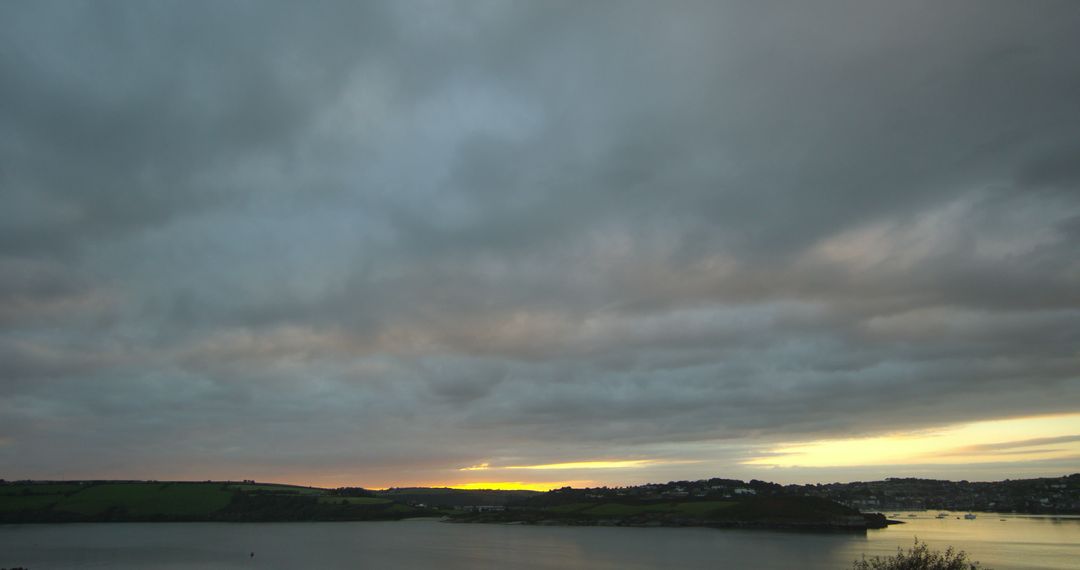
<point x="174" y="499"/>
<point x="185" y="501"/>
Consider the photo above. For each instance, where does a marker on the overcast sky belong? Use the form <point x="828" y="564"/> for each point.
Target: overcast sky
<point x="376" y="243"/>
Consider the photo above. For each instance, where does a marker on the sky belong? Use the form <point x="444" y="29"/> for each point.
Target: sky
<point x="530" y="244"/>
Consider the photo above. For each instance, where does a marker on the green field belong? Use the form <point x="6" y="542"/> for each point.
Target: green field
<point x="134" y="499"/>
<point x="186" y="501"/>
<point x="49" y="489"/>
<point x="702" y="508"/>
<point x="167" y="499"/>
<point x="15" y="503"/>
<point x="354" y="500"/>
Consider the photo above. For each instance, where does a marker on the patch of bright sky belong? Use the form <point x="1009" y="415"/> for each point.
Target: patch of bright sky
<point x="624" y="464"/>
<point x="523" y="485"/>
<point x="1010" y="440"/>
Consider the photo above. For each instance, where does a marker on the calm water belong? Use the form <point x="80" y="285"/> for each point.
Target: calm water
<point x="1016" y="542"/>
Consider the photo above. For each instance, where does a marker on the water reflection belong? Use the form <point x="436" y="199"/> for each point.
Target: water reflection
<point x="1015" y="542"/>
<point x="996" y="539"/>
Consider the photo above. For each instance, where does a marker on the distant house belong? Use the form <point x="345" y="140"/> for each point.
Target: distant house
<point x="745" y="491"/>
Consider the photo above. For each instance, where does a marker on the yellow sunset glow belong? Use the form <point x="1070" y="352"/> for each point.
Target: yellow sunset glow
<point x="1011" y="440"/>
<point x="629" y="464"/>
<point x="478" y="467"/>
<point x="623" y="464"/>
<point x="520" y="485"/>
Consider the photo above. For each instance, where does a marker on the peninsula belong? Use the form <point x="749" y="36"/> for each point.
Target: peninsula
<point x="707" y="502"/>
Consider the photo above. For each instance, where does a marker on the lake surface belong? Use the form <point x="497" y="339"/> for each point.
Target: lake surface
<point x="1018" y="541"/>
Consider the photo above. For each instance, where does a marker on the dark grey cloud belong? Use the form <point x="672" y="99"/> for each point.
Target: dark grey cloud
<point x="395" y="239"/>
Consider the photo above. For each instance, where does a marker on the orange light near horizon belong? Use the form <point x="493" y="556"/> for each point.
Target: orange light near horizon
<point x="1010" y="440"/>
<point x="519" y="485"/>
<point x="618" y="464"/>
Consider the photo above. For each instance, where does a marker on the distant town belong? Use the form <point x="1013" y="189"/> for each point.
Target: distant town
<point x="1058" y="495"/>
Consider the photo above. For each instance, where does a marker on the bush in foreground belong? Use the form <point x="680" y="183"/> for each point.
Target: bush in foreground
<point x="920" y="557"/>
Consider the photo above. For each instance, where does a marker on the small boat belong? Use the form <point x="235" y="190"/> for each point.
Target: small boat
<point x="969" y="517"/>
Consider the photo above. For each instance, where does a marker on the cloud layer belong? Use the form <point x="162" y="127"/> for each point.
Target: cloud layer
<point x="375" y="244"/>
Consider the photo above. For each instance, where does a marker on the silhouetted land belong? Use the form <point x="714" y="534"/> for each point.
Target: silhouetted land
<point x="1055" y="495"/>
<point x="806" y="513"/>
<point x="706" y="502"/>
<point x="149" y="501"/>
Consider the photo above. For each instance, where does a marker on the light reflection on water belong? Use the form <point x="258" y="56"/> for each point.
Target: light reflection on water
<point x="995" y="539"/>
<point x="1015" y="542"/>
